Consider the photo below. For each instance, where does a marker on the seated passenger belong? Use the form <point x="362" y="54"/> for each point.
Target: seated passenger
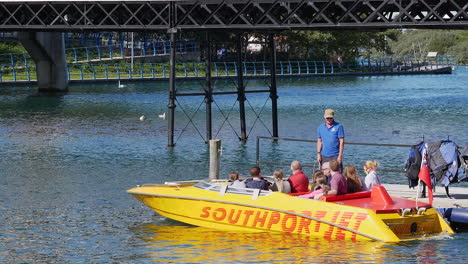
<point x="234" y="180"/>
<point x="326" y="171"/>
<point x="256" y="182"/>
<point x="352" y="179"/>
<point x="338" y="184"/>
<point x="371" y="176"/>
<point x="320" y="188"/>
<point x="280" y="185"/>
<point x="299" y="181"/>
<point x="315" y="175"/>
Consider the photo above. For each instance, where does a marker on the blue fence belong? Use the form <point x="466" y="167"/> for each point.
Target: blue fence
<point x="103" y="53"/>
<point x="103" y="39"/>
<point x="104" y="71"/>
<point x="115" y="39"/>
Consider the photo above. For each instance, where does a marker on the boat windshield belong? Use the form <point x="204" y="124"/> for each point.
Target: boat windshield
<point x="222" y="187"/>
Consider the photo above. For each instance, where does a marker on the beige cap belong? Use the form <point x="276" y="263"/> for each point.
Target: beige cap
<point x="329" y="113"/>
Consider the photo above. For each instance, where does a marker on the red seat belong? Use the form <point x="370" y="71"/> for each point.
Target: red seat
<point x="348" y="196"/>
<point x="299" y="193"/>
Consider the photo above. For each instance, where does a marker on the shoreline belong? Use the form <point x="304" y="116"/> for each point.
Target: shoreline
<point x="444" y="70"/>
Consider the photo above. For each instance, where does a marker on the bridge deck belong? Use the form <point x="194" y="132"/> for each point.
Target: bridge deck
<point x="158" y="15"/>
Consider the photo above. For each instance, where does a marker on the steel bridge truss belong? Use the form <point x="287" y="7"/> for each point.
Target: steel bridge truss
<point x="232" y="14"/>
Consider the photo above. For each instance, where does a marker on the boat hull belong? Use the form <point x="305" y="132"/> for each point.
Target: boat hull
<point x="282" y="213"/>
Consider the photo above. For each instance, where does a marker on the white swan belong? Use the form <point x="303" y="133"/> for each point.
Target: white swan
<point x="142" y="118"/>
<point x="163" y="116"/>
<point x="121" y="85"/>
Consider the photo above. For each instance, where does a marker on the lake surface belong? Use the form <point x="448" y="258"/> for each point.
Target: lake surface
<point x="66" y="162"/>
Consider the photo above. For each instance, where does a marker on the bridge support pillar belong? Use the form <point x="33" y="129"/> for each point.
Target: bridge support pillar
<point x="241" y="88"/>
<point x="47" y="49"/>
<point x="208" y="88"/>
<point x="172" y="89"/>
<point x="273" y="89"/>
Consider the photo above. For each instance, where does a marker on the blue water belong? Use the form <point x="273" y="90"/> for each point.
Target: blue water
<point x="66" y="162"/>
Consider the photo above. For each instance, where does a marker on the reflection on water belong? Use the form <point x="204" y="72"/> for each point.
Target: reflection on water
<point x="174" y="242"/>
<point x="190" y="244"/>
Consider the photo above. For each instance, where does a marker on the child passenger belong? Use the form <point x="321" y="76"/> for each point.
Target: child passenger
<point x="234" y="180"/>
<point x="280" y="185"/>
<point x="315" y="175"/>
<point x="320" y="189"/>
<point x="370" y="168"/>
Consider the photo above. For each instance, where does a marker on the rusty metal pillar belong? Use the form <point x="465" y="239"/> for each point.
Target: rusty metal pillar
<point x="172" y="77"/>
<point x="273" y="90"/>
<point x="208" y="87"/>
<point x="241" y="88"/>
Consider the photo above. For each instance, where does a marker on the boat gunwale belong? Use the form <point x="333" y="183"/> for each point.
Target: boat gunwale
<point x="223" y="191"/>
<point x="261" y="207"/>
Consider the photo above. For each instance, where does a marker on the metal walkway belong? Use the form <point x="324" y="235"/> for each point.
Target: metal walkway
<point x="25" y="71"/>
<point x="231" y="14"/>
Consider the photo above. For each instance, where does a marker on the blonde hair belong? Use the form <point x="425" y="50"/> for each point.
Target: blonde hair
<point x="352" y="179"/>
<point x="371" y="165"/>
<point x="278" y="175"/>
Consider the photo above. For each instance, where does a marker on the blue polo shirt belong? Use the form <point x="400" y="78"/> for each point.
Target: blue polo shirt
<point x="330" y="138"/>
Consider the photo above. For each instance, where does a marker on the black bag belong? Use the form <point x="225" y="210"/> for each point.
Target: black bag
<point x="413" y="164"/>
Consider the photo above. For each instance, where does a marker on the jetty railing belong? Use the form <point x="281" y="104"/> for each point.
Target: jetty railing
<point x="140" y="70"/>
<point x="312" y="151"/>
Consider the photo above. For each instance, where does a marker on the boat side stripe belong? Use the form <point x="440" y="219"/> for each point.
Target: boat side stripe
<point x="262" y="207"/>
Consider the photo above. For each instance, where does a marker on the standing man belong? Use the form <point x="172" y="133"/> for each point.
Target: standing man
<point x="330" y="139"/>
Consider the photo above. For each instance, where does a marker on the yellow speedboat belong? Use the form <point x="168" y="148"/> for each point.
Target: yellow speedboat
<point x="371" y="215"/>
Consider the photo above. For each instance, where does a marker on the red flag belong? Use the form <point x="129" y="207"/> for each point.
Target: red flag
<point x="425" y="176"/>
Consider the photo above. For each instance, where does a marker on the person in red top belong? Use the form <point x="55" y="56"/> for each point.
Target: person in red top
<point x="298" y="181"/>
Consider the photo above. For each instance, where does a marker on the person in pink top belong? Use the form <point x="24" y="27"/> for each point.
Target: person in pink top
<point x="298" y="181"/>
<point x="338" y="184"/>
<point x="319" y="189"/>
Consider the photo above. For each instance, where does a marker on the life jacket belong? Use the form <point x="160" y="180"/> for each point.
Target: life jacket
<point x="443" y="160"/>
<point x="413" y="163"/>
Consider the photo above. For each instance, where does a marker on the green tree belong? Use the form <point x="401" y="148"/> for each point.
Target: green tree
<point x="321" y="45"/>
<point x="7" y="47"/>
<point x="444" y="42"/>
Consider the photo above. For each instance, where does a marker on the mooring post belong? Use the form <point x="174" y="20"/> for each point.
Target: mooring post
<point x="208" y="88"/>
<point x="241" y="88"/>
<point x="273" y="90"/>
<point x="215" y="153"/>
<point x="172" y="77"/>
